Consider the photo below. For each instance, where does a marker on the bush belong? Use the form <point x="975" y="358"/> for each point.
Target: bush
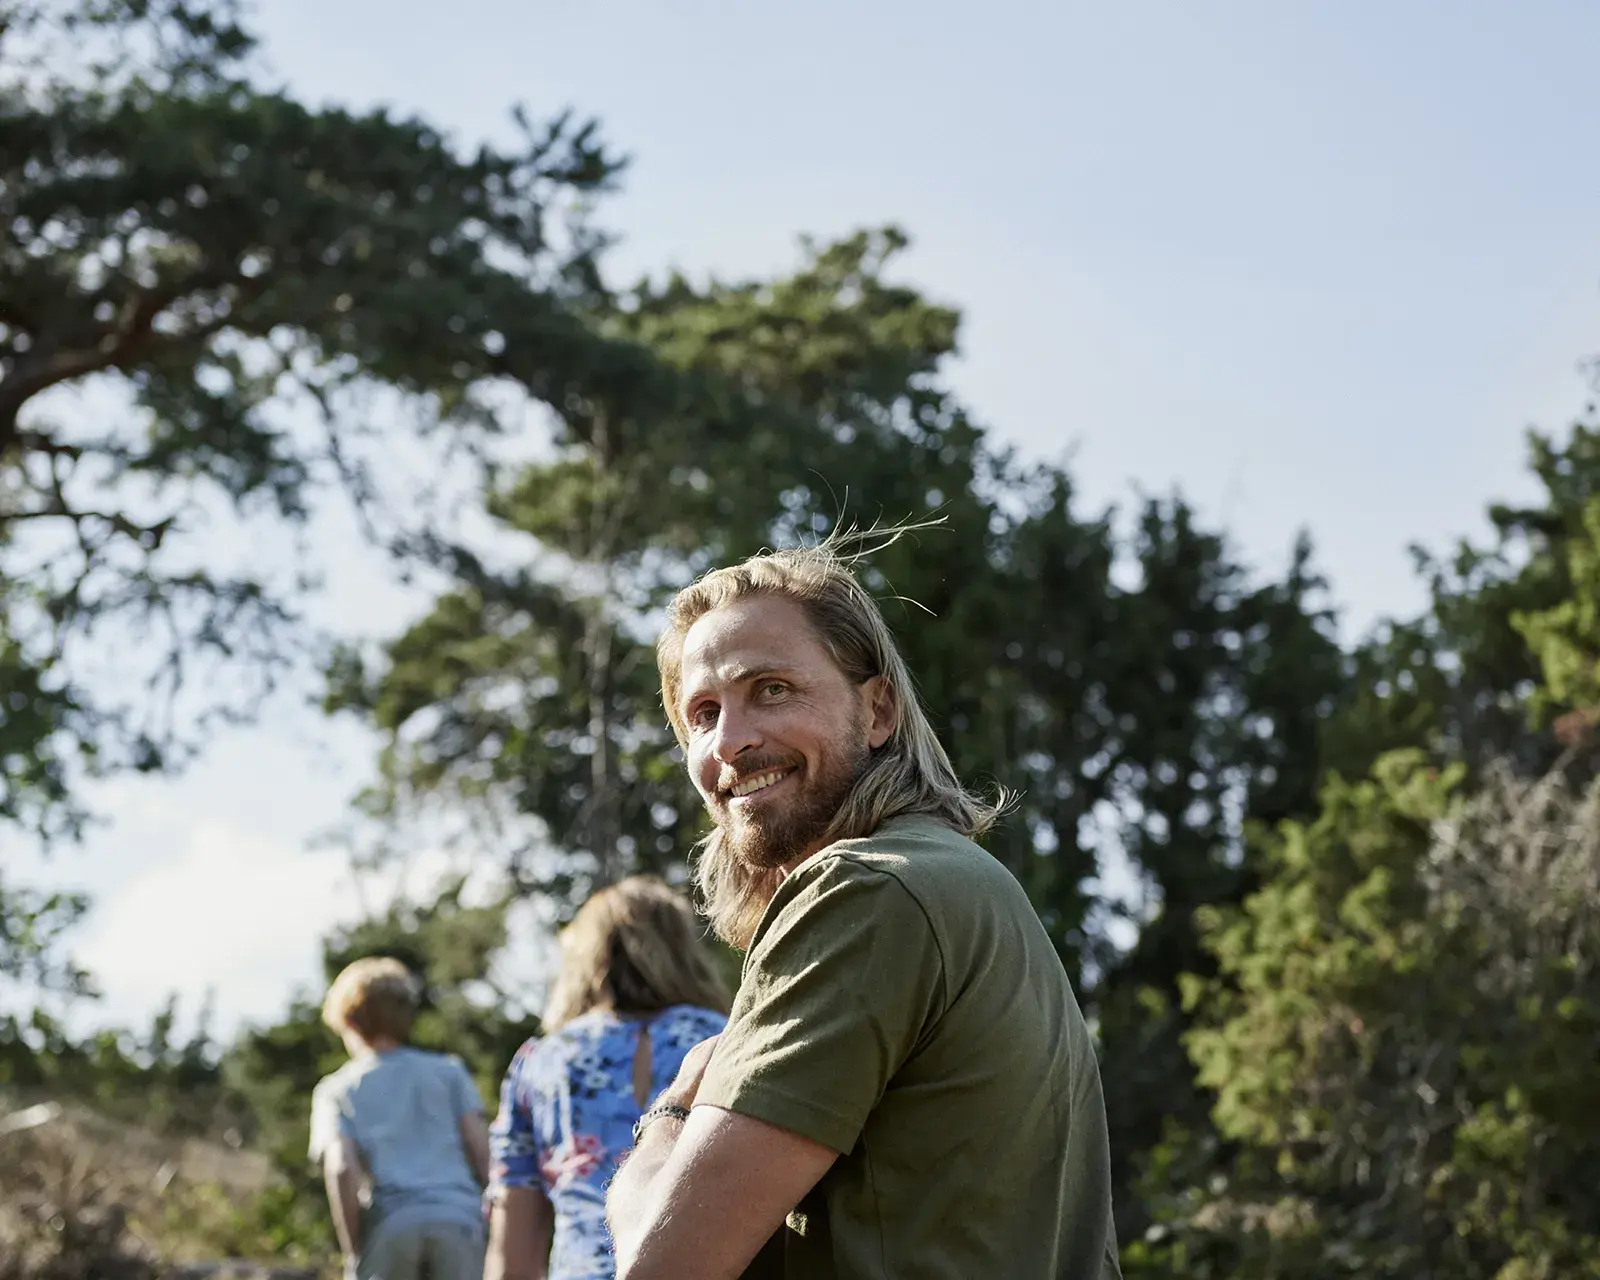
<point x="64" y="1213"/>
<point x="1402" y="1043"/>
<point x="83" y="1197"/>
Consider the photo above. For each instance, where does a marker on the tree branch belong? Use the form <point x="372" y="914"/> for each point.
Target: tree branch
<point x="148" y="536"/>
<point x="134" y="338"/>
<point x="14" y="319"/>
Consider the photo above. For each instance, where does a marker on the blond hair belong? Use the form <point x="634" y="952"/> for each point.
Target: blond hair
<point x="634" y="947"/>
<point x="374" y="997"/>
<point x="910" y="774"/>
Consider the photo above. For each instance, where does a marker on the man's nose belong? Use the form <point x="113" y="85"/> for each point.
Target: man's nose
<point x="736" y="733"/>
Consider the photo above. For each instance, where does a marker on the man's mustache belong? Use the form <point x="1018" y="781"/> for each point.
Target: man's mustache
<point x="728" y="779"/>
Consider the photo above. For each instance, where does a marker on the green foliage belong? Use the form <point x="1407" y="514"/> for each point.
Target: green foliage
<point x="284" y="1222"/>
<point x="32" y="926"/>
<point x="1567" y="636"/>
<point x="1504" y="639"/>
<point x="33" y="779"/>
<point x="167" y="1086"/>
<point x="223" y="268"/>
<point x="1400" y="1040"/>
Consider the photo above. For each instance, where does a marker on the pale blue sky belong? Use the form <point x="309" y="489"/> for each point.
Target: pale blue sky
<point x="1316" y="264"/>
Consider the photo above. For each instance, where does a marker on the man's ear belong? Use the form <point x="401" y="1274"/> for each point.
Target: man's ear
<point x="885" y="712"/>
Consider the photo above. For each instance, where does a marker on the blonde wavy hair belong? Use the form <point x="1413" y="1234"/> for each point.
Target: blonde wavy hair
<point x="910" y="774"/>
<point x="374" y="997"/>
<point x="634" y="947"/>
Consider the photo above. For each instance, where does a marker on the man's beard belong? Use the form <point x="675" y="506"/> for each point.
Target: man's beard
<point x="773" y="836"/>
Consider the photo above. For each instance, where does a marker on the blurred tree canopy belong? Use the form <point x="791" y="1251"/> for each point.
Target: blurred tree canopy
<point x="219" y="308"/>
<point x="1400" y="1031"/>
<point x="223" y="272"/>
<point x="1401" y="1042"/>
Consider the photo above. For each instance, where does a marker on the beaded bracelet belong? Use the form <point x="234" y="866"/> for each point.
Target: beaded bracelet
<point x="666" y="1109"/>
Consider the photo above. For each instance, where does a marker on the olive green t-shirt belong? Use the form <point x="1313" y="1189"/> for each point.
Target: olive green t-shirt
<point x="902" y="1004"/>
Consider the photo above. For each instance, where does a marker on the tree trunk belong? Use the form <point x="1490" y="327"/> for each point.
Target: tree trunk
<point x="603" y="833"/>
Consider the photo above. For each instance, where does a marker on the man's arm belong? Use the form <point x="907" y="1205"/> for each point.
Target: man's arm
<point x="701" y="1197"/>
<point x="820" y="1026"/>
<point x="521" y="1226"/>
<point x="474" y="1131"/>
<point x="341" y="1175"/>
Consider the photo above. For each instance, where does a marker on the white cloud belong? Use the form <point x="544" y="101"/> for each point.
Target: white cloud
<point x="242" y="916"/>
<point x="233" y="913"/>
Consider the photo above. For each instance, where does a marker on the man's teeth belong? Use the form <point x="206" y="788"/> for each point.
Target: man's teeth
<point x="756" y="783"/>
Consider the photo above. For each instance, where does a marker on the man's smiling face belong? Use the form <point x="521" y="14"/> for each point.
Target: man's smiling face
<point x="777" y="734"/>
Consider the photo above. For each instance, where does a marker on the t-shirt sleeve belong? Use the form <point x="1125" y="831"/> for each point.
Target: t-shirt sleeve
<point x="839" y="989"/>
<point x="464" y="1096"/>
<point x="513" y="1142"/>
<point x="326" y="1121"/>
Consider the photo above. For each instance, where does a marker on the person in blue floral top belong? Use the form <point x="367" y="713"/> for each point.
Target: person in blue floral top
<point x="637" y="990"/>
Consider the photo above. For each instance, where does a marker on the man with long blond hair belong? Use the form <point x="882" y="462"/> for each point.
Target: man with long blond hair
<point x="406" y="1123"/>
<point x="906" y="1085"/>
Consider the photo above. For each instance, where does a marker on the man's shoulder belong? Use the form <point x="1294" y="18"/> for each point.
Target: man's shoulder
<point x="923" y="855"/>
<point x="913" y="867"/>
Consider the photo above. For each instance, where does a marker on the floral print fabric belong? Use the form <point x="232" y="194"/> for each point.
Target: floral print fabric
<point x="567" y="1111"/>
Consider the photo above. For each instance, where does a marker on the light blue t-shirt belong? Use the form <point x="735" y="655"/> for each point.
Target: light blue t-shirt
<point x="402" y="1109"/>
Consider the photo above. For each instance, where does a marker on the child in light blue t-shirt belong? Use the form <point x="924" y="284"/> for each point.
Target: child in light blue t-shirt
<point x="406" y="1123"/>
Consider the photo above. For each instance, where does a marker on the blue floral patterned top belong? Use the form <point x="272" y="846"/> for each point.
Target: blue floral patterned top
<point x="567" y="1112"/>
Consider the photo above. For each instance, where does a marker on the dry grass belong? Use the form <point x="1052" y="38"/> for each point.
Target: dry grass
<point x="84" y="1196"/>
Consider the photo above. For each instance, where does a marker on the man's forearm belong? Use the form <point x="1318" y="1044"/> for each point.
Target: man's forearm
<point x="630" y="1204"/>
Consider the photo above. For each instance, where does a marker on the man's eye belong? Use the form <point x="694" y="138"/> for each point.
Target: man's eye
<point x="774" y="688"/>
<point x="702" y="716"/>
